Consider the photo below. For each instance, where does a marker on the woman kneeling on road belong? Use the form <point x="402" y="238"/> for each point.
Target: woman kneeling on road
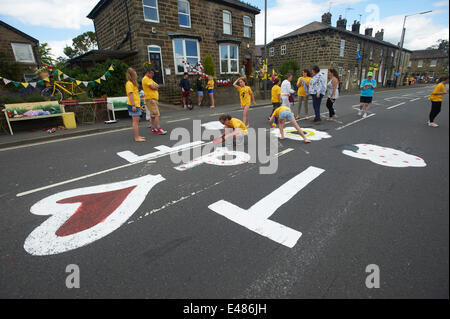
<point x="284" y="114"/>
<point x="234" y="129"/>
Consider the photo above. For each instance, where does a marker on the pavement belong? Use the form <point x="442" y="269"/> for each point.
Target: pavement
<point x="169" y="113"/>
<point x="367" y="193"/>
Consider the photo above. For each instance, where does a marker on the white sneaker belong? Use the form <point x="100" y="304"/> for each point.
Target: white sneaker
<point x="360" y="112"/>
<point x="364" y="115"/>
<point x="433" y="124"/>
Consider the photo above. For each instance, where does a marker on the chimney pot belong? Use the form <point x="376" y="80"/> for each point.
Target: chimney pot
<point x="368" y="32"/>
<point x="326" y="18"/>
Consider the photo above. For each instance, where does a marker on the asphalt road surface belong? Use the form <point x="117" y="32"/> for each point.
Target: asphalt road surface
<point x="335" y="213"/>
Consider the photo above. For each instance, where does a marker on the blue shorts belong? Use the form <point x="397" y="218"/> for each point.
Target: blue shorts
<point x="210" y="91"/>
<point x="286" y="115"/>
<point x="131" y="113"/>
<point x="200" y="93"/>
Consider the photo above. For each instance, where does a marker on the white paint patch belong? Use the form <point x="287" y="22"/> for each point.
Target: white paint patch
<point x="256" y="218"/>
<point x="44" y="239"/>
<point x="385" y="156"/>
<point x="162" y="150"/>
<point x="310" y="133"/>
<point x="214" y="125"/>
<point x="214" y="158"/>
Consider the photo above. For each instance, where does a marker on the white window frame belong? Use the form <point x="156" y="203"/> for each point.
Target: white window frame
<point x="188" y="14"/>
<point x="433" y="64"/>
<point x="358" y="47"/>
<point x="15" y="48"/>
<point x="371" y="53"/>
<point x="342" y="48"/>
<point x="160" y="53"/>
<point x="271" y="51"/>
<point x="283" y="49"/>
<point x="420" y="63"/>
<point x="228" y="45"/>
<point x="247" y="26"/>
<point x="157" y="11"/>
<point x="409" y="63"/>
<point x="184" y="53"/>
<point x="224" y="12"/>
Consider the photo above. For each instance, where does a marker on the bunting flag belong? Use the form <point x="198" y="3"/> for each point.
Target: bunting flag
<point x="58" y="73"/>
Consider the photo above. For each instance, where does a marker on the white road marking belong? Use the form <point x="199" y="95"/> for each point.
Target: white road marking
<point x="179" y="120"/>
<point x="256" y="218"/>
<point x="351" y="123"/>
<point x="414" y="99"/>
<point x="393" y="106"/>
<point x="96" y="173"/>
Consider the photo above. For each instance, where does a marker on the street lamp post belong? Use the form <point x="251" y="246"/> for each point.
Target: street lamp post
<point x="402" y="39"/>
<point x="265" y="48"/>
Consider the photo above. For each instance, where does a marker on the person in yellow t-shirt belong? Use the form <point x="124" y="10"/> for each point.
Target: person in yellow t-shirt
<point x="436" y="98"/>
<point x="276" y="98"/>
<point x="303" y="94"/>
<point x="151" y="97"/>
<point x="234" y="128"/>
<point x="284" y="114"/>
<point x="133" y="102"/>
<point x="210" y="88"/>
<point x="245" y="95"/>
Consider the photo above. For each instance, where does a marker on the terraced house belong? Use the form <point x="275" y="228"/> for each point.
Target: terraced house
<point x="169" y="32"/>
<point x="320" y="43"/>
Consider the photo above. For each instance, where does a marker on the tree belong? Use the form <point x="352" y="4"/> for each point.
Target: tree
<point x="81" y="44"/>
<point x="442" y="44"/>
<point x="208" y="64"/>
<point x="290" y="67"/>
<point x="45" y="54"/>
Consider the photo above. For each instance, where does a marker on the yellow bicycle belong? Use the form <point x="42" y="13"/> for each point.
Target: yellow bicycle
<point x="59" y="89"/>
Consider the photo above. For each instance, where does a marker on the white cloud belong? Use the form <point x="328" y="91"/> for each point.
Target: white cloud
<point x="421" y="32"/>
<point x="58" y="47"/>
<point x="441" y="4"/>
<point x="50" y="13"/>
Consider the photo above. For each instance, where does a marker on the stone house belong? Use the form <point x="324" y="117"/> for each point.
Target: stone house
<point x="319" y="43"/>
<point x="431" y="63"/>
<point x="170" y="32"/>
<point x="16" y="46"/>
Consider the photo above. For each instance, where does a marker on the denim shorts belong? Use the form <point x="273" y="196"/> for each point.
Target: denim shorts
<point x="286" y="115"/>
<point x="131" y="113"/>
<point x="200" y="93"/>
<point x="210" y="91"/>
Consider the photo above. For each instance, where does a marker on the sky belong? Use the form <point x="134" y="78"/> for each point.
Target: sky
<point x="57" y="22"/>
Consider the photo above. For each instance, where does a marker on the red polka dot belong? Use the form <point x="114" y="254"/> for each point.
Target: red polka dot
<point x="384" y="162"/>
<point x="183" y="167"/>
<point x="364" y="153"/>
<point x="381" y="155"/>
<point x="405" y="162"/>
<point x="371" y="150"/>
<point x="419" y="159"/>
<point x="395" y="154"/>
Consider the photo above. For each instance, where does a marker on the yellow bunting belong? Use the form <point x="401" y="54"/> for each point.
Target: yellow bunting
<point x="111" y="68"/>
<point x="78" y="82"/>
<point x="25" y="84"/>
<point x="98" y="81"/>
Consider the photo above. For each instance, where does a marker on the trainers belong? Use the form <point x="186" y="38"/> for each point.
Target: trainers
<point x="161" y="131"/>
<point x="364" y="115"/>
<point x="360" y="112"/>
<point x="433" y="124"/>
<point x="154" y="130"/>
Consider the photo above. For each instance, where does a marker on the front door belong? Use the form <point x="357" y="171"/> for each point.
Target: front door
<point x="154" y="54"/>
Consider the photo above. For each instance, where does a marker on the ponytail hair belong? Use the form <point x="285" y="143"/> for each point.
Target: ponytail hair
<point x="335" y="73"/>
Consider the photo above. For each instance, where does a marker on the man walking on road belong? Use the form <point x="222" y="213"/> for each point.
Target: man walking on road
<point x="367" y="86"/>
<point x="151" y="96"/>
<point x="317" y="89"/>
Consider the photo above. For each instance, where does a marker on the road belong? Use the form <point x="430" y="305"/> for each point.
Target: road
<point x="309" y="230"/>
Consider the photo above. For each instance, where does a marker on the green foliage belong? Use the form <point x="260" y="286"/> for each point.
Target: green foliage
<point x="45" y="54"/>
<point x="208" y="64"/>
<point x="114" y="84"/>
<point x="81" y="44"/>
<point x="290" y="67"/>
<point x="10" y="70"/>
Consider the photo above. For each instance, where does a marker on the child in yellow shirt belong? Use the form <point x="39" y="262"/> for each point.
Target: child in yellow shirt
<point x="284" y="114"/>
<point x="436" y="98"/>
<point x="246" y="95"/>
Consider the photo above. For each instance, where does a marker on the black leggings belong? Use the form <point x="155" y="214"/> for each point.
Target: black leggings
<point x="330" y="103"/>
<point x="435" y="110"/>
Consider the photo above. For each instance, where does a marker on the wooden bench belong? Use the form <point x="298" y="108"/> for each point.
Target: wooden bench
<point x="114" y="104"/>
<point x="10" y="111"/>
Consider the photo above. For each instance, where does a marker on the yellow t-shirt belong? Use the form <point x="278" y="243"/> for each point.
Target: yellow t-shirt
<point x="130" y="88"/>
<point x="210" y="85"/>
<point x="280" y="109"/>
<point x="440" y="88"/>
<point x="301" y="89"/>
<point x="236" y="123"/>
<point x="276" y="91"/>
<point x="245" y="95"/>
<point x="149" y="93"/>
